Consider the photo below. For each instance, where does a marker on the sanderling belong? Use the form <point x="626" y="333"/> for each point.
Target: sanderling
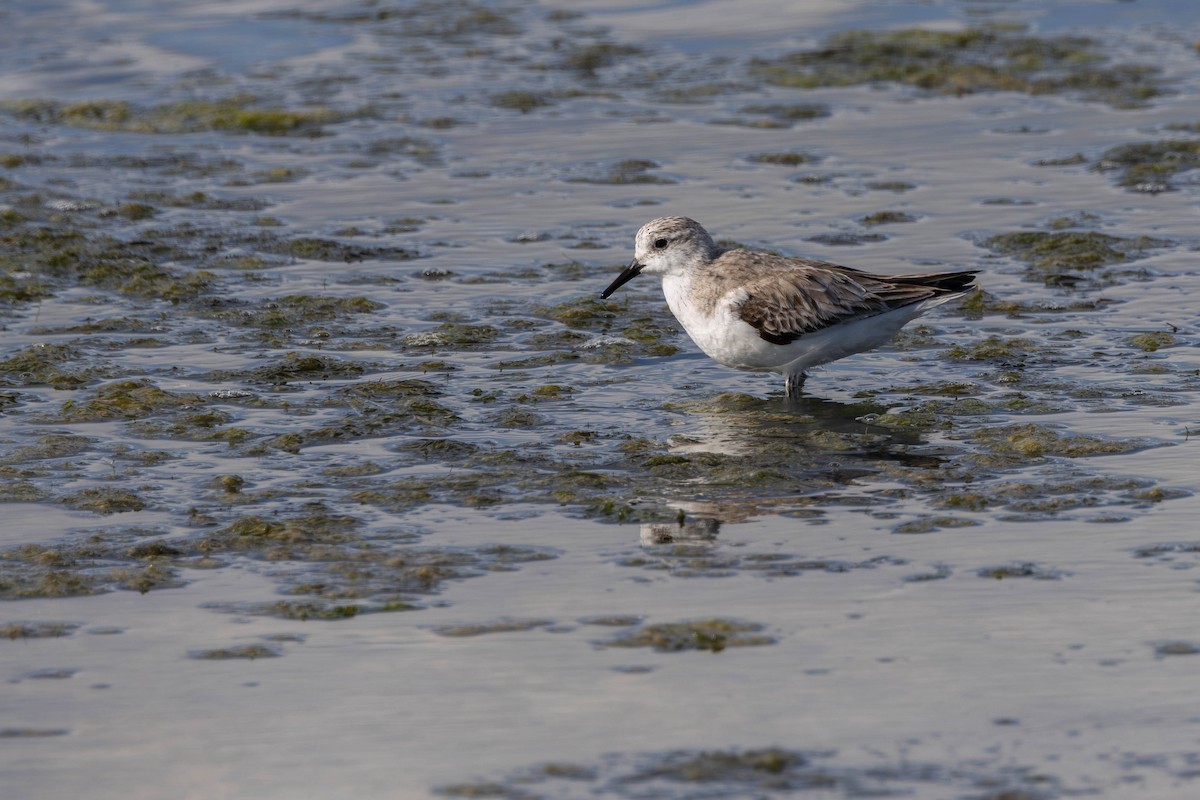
<point x="768" y="313"/>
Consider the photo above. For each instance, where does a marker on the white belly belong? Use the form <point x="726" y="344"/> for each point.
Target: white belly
<point x="726" y="338"/>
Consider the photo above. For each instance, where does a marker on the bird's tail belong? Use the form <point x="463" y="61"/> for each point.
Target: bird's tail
<point x="945" y="281"/>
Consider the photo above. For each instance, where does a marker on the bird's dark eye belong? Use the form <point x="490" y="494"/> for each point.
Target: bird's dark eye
<point x="659" y="244"/>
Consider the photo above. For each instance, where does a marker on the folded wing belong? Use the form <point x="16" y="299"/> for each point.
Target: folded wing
<point x="803" y="296"/>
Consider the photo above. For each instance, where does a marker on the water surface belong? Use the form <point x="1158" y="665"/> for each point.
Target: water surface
<point x="327" y="474"/>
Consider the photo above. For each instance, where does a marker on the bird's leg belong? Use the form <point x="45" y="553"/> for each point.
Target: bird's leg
<point x="794" y="385"/>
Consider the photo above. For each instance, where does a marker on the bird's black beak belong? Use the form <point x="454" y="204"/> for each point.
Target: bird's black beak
<point x="628" y="274"/>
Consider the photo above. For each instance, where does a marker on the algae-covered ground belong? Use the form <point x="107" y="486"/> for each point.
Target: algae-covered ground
<point x="309" y="403"/>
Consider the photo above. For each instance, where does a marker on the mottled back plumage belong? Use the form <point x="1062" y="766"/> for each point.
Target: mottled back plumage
<point x="793" y="296"/>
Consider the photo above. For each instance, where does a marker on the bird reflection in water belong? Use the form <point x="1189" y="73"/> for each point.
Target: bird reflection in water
<point x="773" y="456"/>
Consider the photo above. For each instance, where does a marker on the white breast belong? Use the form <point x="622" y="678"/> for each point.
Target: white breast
<point x="718" y="330"/>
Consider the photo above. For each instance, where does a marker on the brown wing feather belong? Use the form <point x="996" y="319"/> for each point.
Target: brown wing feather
<point x="802" y="295"/>
<point x="784" y="310"/>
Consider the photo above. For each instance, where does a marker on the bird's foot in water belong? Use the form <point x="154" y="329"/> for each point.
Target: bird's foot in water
<point x="794" y="385"/>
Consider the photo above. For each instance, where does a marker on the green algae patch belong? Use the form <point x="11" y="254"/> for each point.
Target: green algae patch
<point x="522" y="101"/>
<point x="235" y="115"/>
<point x="453" y="22"/>
<point x="767" y="772"/>
<point x="294" y="311"/>
<point x="687" y="551"/>
<point x="587" y="58"/>
<point x="338" y="568"/>
<point x="1038" y="441"/>
<point x="22" y="492"/>
<point x="105" y="500"/>
<point x="46" y="364"/>
<point x="886" y="218"/>
<point x="750" y="769"/>
<point x="144" y="578"/>
<point x="108" y="325"/>
<point x="453" y="335"/>
<point x="296" y="368"/>
<point x="931" y="524"/>
<point x="965" y="61"/>
<point x="1060" y="257"/>
<point x="59" y="255"/>
<point x="550" y="391"/>
<point x="980" y="303"/>
<point x="371" y="419"/>
<point x="94" y="563"/>
<point x="193" y="426"/>
<point x="21" y="290"/>
<point x="317" y="249"/>
<point x="1176" y="648"/>
<point x="149" y="281"/>
<point x="133" y="399"/>
<point x="309" y="306"/>
<point x="945" y="389"/>
<point x="994" y="348"/>
<point x="584" y="312"/>
<point x="1053" y="496"/>
<point x="440" y="449"/>
<point x="627" y="172"/>
<point x="237" y="652"/>
<point x="499" y="626"/>
<point x="37" y="630"/>
<point x="787" y="114"/>
<point x="18" y="582"/>
<point x="390" y="391"/>
<point x="788" y="159"/>
<point x="282" y="538"/>
<point x="725" y="403"/>
<point x="845" y="238"/>
<point x="1150" y="342"/>
<point x="198" y="200"/>
<point x="612" y="621"/>
<point x="966" y="501"/>
<point x="500" y="477"/>
<point x="297" y="610"/>
<point x="32" y="733"/>
<point x="931" y="412"/>
<point x="135" y="211"/>
<point x="503" y="791"/>
<point x="1020" y="569"/>
<point x="895" y="187"/>
<point x="712" y="635"/>
<point x="1149" y="167"/>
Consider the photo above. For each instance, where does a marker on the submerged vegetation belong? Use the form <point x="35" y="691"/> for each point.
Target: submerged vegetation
<point x="240" y="114"/>
<point x="1066" y="258"/>
<point x="969" y="60"/>
<point x="711" y="635"/>
<point x="1150" y="166"/>
<point x="765" y="772"/>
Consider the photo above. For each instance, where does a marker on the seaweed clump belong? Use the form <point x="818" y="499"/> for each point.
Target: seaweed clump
<point x="760" y="773"/>
<point x="1032" y="441"/>
<point x="1061" y="258"/>
<point x="238" y="114"/>
<point x="711" y="635"/>
<point x="965" y="61"/>
<point x="1148" y="167"/>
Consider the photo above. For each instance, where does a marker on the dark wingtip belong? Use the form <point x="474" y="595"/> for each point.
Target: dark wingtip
<point x="943" y="281"/>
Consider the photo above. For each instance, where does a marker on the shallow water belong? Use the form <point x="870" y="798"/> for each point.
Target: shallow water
<point x="326" y="473"/>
